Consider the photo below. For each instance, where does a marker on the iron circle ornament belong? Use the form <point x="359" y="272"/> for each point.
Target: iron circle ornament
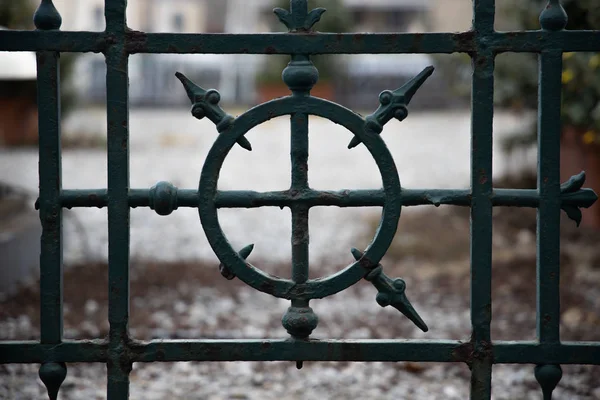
<point x="256" y="278"/>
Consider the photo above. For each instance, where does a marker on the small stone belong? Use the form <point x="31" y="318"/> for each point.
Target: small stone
<point x="414" y="367"/>
<point x="91" y="306"/>
<point x="572" y="317"/>
<point x="258" y="380"/>
<point x="451" y="392"/>
<point x="89" y="328"/>
<point x="180" y="307"/>
<point x="525" y="237"/>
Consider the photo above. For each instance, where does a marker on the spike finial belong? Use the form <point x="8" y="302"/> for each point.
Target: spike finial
<point x="394" y="104"/>
<point x="298" y="18"/>
<point x="205" y="103"/>
<point x="47" y="17"/>
<point x="548" y="377"/>
<point x="53" y="375"/>
<point x="554" y="17"/>
<point x="391" y="293"/>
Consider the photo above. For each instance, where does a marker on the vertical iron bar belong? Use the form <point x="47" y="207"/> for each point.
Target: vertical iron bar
<point x="117" y="82"/>
<point x="482" y="109"/>
<point x="51" y="265"/>
<point x="52" y="372"/>
<point x="552" y="18"/>
<point x="548" y="216"/>
<point x="300" y="228"/>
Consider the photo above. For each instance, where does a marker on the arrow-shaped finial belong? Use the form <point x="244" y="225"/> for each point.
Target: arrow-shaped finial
<point x="391" y="293"/>
<point x="394" y="104"/>
<point x="205" y="103"/>
<point x="574" y="197"/>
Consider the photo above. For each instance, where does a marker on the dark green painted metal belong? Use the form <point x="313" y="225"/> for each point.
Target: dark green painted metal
<point x="548" y="377"/>
<point x="51" y="373"/>
<point x="117" y="93"/>
<point x="165" y="198"/>
<point x="391" y="292"/>
<point x="305" y="43"/>
<point x="96" y="351"/>
<point x="553" y="18"/>
<point x="281" y="287"/>
<point x="482" y="109"/>
<point x="393" y="105"/>
<point x="119" y="350"/>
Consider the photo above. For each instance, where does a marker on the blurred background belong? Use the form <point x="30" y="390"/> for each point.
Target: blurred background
<point x="176" y="289"/>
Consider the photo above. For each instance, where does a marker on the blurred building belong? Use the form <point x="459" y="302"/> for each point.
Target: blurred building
<point x="449" y="15"/>
<point x="18" y="107"/>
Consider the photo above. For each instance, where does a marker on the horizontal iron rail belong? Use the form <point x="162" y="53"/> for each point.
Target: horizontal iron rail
<point x="304" y="43"/>
<point x="344" y="198"/>
<point x="504" y="352"/>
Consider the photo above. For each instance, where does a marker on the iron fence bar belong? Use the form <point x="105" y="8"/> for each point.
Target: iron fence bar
<point x="300" y="229"/>
<point x="51" y="264"/>
<point x="482" y="43"/>
<point x="482" y="109"/>
<point x="548" y="218"/>
<point x="317" y="43"/>
<point x="71" y="198"/>
<point x="117" y="86"/>
<point x="166" y="350"/>
<point x="553" y="18"/>
<point x="52" y="372"/>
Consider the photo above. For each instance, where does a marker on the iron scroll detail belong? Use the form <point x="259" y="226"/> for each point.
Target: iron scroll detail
<point x="300" y="76"/>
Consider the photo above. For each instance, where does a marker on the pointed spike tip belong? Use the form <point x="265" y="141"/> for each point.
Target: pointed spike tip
<point x="244" y="143"/>
<point x="354" y="142"/>
<point x="406" y="308"/>
<point x="190" y="87"/>
<point x="245" y="252"/>
<point x="356" y="253"/>
<point x="411" y="87"/>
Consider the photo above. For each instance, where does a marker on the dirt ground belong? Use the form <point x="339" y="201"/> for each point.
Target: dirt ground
<point x="431" y="252"/>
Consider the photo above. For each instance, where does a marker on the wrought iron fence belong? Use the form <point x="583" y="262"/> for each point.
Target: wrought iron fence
<point x="119" y="351"/>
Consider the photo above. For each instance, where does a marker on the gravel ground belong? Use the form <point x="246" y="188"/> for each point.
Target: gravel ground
<point x="179" y="294"/>
<point x="184" y="300"/>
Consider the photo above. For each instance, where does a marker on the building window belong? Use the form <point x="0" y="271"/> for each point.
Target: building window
<point x="178" y="22"/>
<point x="397" y="20"/>
<point x="358" y="17"/>
<point x="98" y="17"/>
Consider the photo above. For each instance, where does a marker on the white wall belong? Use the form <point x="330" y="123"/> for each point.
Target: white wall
<point x="150" y="15"/>
<point x="81" y="15"/>
<point x="451" y="15"/>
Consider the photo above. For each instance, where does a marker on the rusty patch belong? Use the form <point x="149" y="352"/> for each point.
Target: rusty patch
<point x="366" y="263"/>
<point x="270" y="50"/>
<point x="481" y="61"/>
<point x="351" y="351"/>
<point x="466" y="39"/>
<point x="136" y="41"/>
<point x="416" y="44"/>
<point x="482" y="177"/>
<point x="125" y="363"/>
